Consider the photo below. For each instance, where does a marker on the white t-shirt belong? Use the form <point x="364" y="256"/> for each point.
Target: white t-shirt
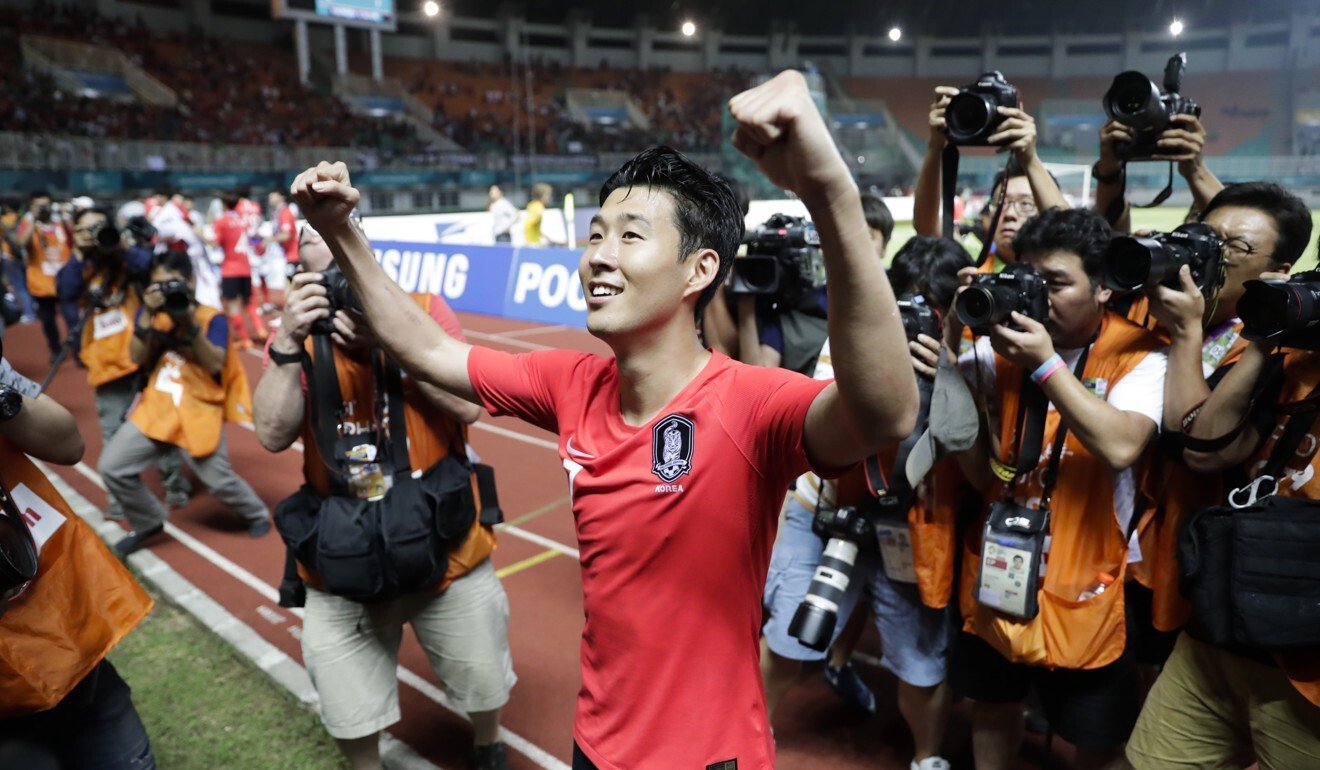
<point x="1140" y="390"/>
<point x="173" y="225"/>
<point x="503" y="216"/>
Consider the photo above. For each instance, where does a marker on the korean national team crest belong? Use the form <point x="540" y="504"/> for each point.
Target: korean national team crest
<point x="671" y="447"/>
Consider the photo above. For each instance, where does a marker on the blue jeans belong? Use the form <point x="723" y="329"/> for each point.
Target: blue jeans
<point x="95" y="727"/>
<point x="16" y="273"/>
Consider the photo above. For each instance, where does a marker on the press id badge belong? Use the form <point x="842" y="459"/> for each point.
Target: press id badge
<point x="895" y="541"/>
<point x="363" y="473"/>
<point x="108" y="323"/>
<point x="1011" y="553"/>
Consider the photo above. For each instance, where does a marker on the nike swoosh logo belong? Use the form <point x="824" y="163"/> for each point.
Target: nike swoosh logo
<point x="577" y="452"/>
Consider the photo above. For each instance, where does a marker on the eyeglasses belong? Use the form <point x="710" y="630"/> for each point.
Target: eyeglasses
<point x="1238" y="247"/>
<point x="1025" y="206"/>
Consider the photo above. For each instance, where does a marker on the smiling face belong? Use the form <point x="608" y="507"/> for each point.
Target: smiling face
<point x="632" y="273"/>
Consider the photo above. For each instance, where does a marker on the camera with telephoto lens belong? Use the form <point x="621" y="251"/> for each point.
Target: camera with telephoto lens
<point x="992" y="298"/>
<point x="1135" y="261"/>
<point x="140" y="229"/>
<point x="1136" y="102"/>
<point x="341" y="296"/>
<point x="107" y="236"/>
<point x="847" y="532"/>
<point x="918" y="317"/>
<point x="972" y="116"/>
<point x="783" y="261"/>
<point x="178" y="297"/>
<point x="1287" y="313"/>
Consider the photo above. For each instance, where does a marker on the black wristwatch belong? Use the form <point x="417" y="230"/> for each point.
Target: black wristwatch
<point x="1106" y="178"/>
<point x="11" y="403"/>
<point x="280" y="359"/>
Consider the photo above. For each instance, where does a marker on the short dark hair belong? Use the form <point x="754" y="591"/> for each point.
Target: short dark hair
<point x="1081" y="231"/>
<point x="229" y="199"/>
<point x="1011" y="170"/>
<point x="929" y="266"/>
<point x="878" y="216"/>
<point x="175" y="261"/>
<point x="705" y="209"/>
<point x="93" y="210"/>
<point x="1291" y="218"/>
<point x="39" y="194"/>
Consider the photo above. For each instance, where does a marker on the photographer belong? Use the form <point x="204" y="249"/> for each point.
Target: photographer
<point x="111" y="298"/>
<point x="1024" y="188"/>
<point x="462" y="620"/>
<point x="914" y="636"/>
<point x="1262" y="228"/>
<point x="196" y="384"/>
<point x="45" y="244"/>
<point x="59" y="696"/>
<point x="1213" y="704"/>
<point x="1075" y="395"/>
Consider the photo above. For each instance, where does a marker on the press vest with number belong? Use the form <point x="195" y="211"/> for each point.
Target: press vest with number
<point x="48" y="251"/>
<point x="1086" y="539"/>
<point x="106" y="338"/>
<point x="82" y="602"/>
<point x="1171" y="491"/>
<point x="183" y="404"/>
<point x="431" y="436"/>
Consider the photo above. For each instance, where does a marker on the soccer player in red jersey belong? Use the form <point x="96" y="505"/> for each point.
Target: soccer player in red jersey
<point x="677" y="457"/>
<point x="236" y="271"/>
<point x="249" y="213"/>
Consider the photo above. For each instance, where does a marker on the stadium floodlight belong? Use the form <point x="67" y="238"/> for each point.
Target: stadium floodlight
<point x="1175" y="27"/>
<point x="431" y="8"/>
<point x="895" y="34"/>
<point x="689" y="29"/>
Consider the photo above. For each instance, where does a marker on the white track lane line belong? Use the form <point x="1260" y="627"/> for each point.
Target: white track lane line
<point x="271" y="593"/>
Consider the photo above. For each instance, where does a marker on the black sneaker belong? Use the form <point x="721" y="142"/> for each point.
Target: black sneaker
<point x="491" y="756"/>
<point x="259" y="528"/>
<point x="135" y="541"/>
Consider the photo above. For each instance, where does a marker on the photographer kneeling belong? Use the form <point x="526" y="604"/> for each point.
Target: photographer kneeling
<point x="196" y="385"/>
<point x="391" y="452"/>
<point x="111" y="298"/>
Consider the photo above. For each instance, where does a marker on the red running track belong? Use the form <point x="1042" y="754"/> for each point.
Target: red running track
<point x="813" y="729"/>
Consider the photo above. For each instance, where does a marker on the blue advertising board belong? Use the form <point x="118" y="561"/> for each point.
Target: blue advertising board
<point x="525" y="284"/>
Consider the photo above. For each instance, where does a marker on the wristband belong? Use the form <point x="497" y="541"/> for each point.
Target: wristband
<point x="1052" y="364"/>
<point x="1105" y="178"/>
<point x="280" y="359"/>
<point x="142" y="332"/>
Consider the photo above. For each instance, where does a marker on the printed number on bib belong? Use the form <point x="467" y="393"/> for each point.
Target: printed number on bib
<point x="42" y="520"/>
<point x="109" y="323"/>
<point x="169" y="379"/>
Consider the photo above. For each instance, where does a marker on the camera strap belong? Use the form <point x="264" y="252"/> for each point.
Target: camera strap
<point x="949" y="188"/>
<point x="19" y="561"/>
<point x="1033" y="406"/>
<point x="1160" y="198"/>
<point x="895" y="485"/>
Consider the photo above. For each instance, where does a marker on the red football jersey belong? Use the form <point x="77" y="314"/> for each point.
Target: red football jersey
<point x="231" y="235"/>
<point x="675" y="521"/>
<point x="287" y="222"/>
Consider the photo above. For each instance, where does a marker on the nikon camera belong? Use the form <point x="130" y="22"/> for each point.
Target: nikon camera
<point x="918" y="317"/>
<point x="1286" y="313"/>
<point x="992" y="298"/>
<point x="1134" y="262"/>
<point x="1136" y="102"/>
<point x="341" y="296"/>
<point x="972" y="116"/>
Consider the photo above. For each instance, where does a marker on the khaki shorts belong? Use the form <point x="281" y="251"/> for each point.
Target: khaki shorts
<point x="351" y="651"/>
<point x="1211" y="708"/>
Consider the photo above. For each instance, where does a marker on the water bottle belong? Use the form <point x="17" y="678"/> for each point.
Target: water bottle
<point x="1102" y="582"/>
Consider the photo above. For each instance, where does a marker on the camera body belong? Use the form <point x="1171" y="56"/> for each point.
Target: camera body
<point x="341" y="296"/>
<point x="140" y="230"/>
<point x="918" y="317"/>
<point x="783" y="263"/>
<point x="1286" y="313"/>
<point x="993" y="297"/>
<point x="1136" y="102"/>
<point x="972" y="116"/>
<point x="1133" y="262"/>
<point x="178" y="297"/>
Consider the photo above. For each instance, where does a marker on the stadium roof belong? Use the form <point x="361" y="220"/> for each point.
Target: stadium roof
<point x="944" y="18"/>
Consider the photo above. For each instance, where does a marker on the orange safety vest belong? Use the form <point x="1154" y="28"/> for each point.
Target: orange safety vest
<point x="82" y="602"/>
<point x="1170" y="491"/>
<point x="183" y="404"/>
<point x="1300" y="479"/>
<point x="931" y="522"/>
<point x="432" y="435"/>
<point x="48" y="251"/>
<point x="1086" y="539"/>
<point x="106" y="338"/>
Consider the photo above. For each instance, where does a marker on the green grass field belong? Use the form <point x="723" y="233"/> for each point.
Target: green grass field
<point x="205" y="707"/>
<point x="1164" y="218"/>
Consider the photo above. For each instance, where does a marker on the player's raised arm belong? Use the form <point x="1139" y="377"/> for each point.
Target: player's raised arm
<point x="326" y="198"/>
<point x="874" y="400"/>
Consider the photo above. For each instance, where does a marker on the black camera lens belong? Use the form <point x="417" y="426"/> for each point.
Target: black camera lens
<point x="979" y="306"/>
<point x="968" y="116"/>
<point x="1131" y="262"/>
<point x="756" y="275"/>
<point x="18" y="556"/>
<point x="1134" y="101"/>
<point x="108" y="237"/>
<point x="1281" y="310"/>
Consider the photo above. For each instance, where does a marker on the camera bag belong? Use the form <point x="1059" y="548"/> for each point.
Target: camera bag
<point x="375" y="550"/>
<point x="1248" y="569"/>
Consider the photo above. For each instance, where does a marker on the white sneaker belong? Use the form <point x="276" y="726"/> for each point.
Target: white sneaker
<point x="931" y="763"/>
